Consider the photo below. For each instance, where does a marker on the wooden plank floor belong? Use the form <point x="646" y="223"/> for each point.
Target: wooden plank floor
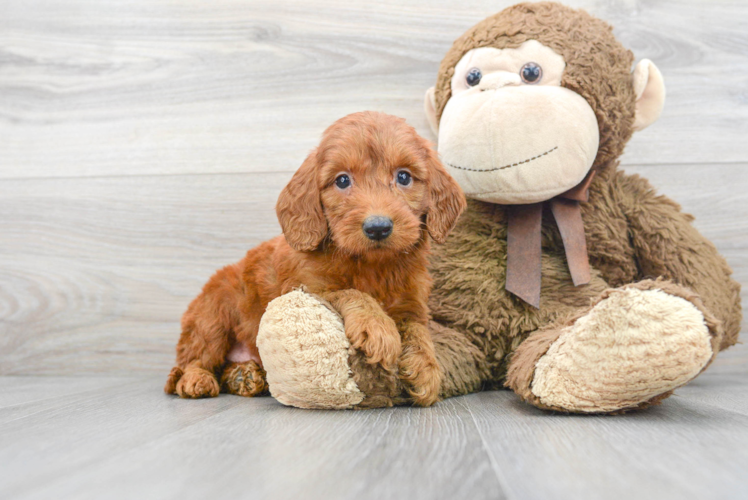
<point x="81" y="438"/>
<point x="142" y="146"/>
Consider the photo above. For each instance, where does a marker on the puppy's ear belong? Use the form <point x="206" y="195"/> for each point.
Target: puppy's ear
<point x="447" y="200"/>
<point x="299" y="208"/>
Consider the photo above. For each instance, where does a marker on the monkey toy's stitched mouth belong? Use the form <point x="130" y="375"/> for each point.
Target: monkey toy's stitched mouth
<point x="528" y="160"/>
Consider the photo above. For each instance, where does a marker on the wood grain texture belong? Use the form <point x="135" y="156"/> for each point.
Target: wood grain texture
<point x="136" y="442"/>
<point x="144" y="144"/>
<point x="130" y="441"/>
<point x="96" y="272"/>
<point x="17" y="391"/>
<point x="90" y="88"/>
<point x="684" y="449"/>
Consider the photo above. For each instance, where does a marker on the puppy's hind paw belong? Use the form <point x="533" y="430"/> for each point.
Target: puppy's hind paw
<point x="197" y="383"/>
<point x="171" y="381"/>
<point x="244" y="379"/>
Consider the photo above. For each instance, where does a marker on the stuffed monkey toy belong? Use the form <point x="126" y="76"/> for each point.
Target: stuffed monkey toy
<point x="566" y="280"/>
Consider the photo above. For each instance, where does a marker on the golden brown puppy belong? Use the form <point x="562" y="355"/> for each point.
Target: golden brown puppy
<point x="356" y="220"/>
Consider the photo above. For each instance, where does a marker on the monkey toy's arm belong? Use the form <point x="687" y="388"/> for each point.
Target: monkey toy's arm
<point x="667" y="245"/>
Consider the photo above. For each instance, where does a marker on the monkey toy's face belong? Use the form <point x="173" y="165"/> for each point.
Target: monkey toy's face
<point x="510" y="133"/>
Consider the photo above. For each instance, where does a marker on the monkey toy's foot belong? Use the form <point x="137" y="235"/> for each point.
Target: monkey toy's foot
<point x="629" y="350"/>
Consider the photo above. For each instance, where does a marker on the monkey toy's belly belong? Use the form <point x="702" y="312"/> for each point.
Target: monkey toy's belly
<point x="469" y="294"/>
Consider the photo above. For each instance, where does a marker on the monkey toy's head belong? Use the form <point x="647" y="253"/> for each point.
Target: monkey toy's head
<point x="530" y="101"/>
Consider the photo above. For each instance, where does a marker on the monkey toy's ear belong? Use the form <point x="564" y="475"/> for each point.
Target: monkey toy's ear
<point x="429" y="105"/>
<point x="299" y="208"/>
<point x="650" y="94"/>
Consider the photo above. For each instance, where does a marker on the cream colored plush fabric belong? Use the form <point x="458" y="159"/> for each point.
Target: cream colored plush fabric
<point x="494" y="62"/>
<point x="304" y="350"/>
<point x="650" y="93"/>
<point x="520" y="144"/>
<point x="510" y="142"/>
<point x="632" y="346"/>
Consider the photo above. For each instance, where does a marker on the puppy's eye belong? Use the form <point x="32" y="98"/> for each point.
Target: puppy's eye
<point x="473" y="77"/>
<point x="404" y="178"/>
<point x="531" y="73"/>
<point x="343" y="181"/>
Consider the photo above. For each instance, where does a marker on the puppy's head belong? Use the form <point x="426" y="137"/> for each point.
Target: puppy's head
<point x="369" y="186"/>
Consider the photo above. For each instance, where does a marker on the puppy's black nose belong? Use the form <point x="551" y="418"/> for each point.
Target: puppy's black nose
<point x="377" y="227"/>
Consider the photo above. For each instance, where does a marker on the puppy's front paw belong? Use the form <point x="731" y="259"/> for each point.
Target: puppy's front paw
<point x="376" y="336"/>
<point x="422" y="376"/>
<point x="197" y="383"/>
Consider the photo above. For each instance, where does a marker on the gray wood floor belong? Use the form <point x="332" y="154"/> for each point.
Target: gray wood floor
<point x="120" y="437"/>
<point x="142" y="146"/>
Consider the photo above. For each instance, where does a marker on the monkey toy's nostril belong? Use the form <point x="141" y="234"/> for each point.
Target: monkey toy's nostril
<point x="377" y="227"/>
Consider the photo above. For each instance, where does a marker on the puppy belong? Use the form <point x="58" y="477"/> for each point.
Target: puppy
<point x="356" y="221"/>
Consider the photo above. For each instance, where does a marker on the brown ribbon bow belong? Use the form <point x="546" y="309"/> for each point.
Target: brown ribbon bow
<point x="523" y="264"/>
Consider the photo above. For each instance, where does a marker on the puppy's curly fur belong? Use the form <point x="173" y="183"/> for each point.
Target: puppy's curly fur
<point x="379" y="286"/>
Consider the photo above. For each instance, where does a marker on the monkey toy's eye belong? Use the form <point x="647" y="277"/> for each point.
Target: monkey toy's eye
<point x="531" y="73"/>
<point x="404" y="178"/>
<point x="473" y="77"/>
<point x="343" y="181"/>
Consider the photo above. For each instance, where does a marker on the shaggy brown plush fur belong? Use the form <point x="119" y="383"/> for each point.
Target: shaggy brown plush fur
<point x="380" y="287"/>
<point x="632" y="233"/>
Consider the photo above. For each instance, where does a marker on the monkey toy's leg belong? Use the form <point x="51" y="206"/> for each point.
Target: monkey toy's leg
<point x="640" y="341"/>
<point x="463" y="365"/>
<point x="310" y="357"/>
<point x="629" y="350"/>
<point x="205" y="340"/>
<point x="668" y="246"/>
<point x="311" y="361"/>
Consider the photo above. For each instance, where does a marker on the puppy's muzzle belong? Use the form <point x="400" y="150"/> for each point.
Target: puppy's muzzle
<point x="377" y="228"/>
